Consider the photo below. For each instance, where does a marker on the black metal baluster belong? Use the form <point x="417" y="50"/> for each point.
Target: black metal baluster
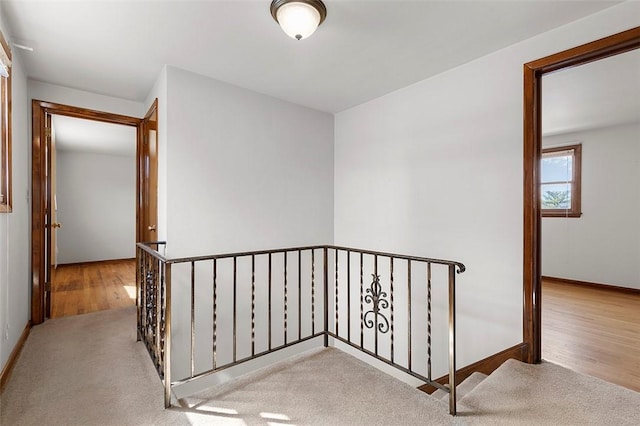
<point x="429" y="321"/>
<point x="349" y="295"/>
<point x="235" y="307"/>
<point x="269" y="301"/>
<point x="313" y="294"/>
<point x="299" y="295"/>
<point x="253" y="305"/>
<point x="391" y="296"/>
<point x="375" y="320"/>
<point x="215" y="312"/>
<point x="285" y="297"/>
<point x="409" y="316"/>
<point x="193" y="318"/>
<point x="337" y="293"/>
<point x="361" y="301"/>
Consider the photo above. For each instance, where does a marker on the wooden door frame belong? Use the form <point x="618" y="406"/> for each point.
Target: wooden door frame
<point x="146" y="180"/>
<point x="533" y="73"/>
<point x="39" y="194"/>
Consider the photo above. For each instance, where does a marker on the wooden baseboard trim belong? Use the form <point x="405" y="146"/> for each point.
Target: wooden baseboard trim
<point x="93" y="262"/>
<point x="13" y="358"/>
<point x="485" y="366"/>
<point x="593" y="285"/>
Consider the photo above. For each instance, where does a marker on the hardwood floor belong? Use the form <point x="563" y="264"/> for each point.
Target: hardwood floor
<point x="96" y="286"/>
<point x="593" y="331"/>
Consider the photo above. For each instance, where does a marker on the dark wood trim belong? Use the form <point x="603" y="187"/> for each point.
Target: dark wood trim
<point x="147" y="177"/>
<point x="40" y="111"/>
<point x="88" y="114"/>
<point x="599" y="286"/>
<point x="531" y="239"/>
<point x="589" y="52"/>
<point x="561" y="213"/>
<point x="38" y="206"/>
<point x="48" y="214"/>
<point x="93" y="262"/>
<point x="486" y="366"/>
<point x="6" y="205"/>
<point x="5" y="45"/>
<point x="13" y="358"/>
<point x="533" y="72"/>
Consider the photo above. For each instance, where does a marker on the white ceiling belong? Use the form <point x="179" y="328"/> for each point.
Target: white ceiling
<point x="363" y="50"/>
<point x="76" y="134"/>
<point x="597" y="94"/>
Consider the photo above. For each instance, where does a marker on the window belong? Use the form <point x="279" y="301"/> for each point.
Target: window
<point x="560" y="184"/>
<point x="5" y="126"/>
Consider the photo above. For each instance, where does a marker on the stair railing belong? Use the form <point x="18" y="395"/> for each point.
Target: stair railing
<point x="256" y="303"/>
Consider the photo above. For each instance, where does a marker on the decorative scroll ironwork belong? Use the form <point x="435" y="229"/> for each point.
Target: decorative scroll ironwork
<point x="150" y="307"/>
<point x="376" y="297"/>
<point x="152" y="310"/>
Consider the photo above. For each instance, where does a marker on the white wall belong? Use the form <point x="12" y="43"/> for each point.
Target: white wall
<point x="96" y="206"/>
<point x="79" y="98"/>
<point x="244" y="171"/>
<point x="238" y="171"/>
<point x="15" y="227"/>
<point x="435" y="169"/>
<point x="602" y="246"/>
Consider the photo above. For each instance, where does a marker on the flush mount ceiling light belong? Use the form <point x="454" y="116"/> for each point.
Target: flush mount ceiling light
<point x="298" y="18"/>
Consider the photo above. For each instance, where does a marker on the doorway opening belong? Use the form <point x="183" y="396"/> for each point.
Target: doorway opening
<point x="44" y="200"/>
<point x="93" y="197"/>
<point x="532" y="261"/>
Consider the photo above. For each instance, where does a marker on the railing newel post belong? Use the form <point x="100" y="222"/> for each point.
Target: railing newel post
<point x="167" y="337"/>
<point x="452" y="340"/>
<point x="326" y="296"/>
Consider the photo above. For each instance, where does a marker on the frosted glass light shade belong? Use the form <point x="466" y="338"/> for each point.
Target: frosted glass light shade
<point x="298" y="19"/>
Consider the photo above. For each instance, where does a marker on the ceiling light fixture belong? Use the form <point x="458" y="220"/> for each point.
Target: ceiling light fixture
<point x="298" y="18"/>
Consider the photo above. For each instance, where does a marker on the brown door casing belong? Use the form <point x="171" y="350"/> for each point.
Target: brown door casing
<point x="147" y="212"/>
<point x="533" y="72"/>
<point x="41" y="190"/>
<point x="48" y="216"/>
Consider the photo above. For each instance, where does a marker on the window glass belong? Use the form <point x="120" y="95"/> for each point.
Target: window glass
<point x="560" y="184"/>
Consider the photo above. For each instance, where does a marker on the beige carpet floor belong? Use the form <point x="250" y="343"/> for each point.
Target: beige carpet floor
<point x="85" y="370"/>
<point x="321" y="387"/>
<point x="548" y="394"/>
<point x="89" y="370"/>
